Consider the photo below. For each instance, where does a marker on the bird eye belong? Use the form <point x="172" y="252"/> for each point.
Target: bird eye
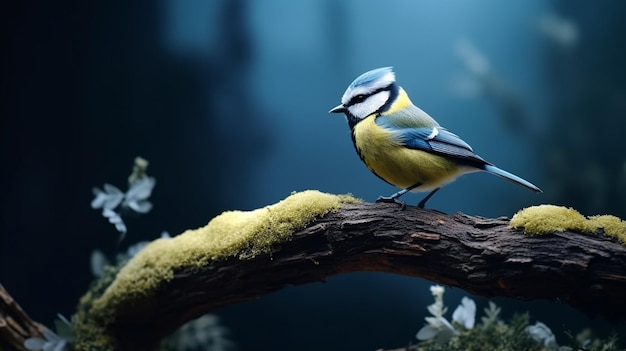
<point x="359" y="98"/>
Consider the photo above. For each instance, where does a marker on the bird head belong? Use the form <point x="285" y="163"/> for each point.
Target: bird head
<point x="371" y="92"/>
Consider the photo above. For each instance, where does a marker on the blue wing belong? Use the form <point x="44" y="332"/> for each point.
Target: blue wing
<point x="440" y="141"/>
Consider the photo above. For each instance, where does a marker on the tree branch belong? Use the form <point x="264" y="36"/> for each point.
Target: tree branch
<point x="482" y="256"/>
<point x="15" y="325"/>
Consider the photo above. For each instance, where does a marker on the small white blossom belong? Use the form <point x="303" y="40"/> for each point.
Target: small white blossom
<point x="437" y="309"/>
<point x="438" y="328"/>
<point x="115" y="204"/>
<point x="138" y="193"/>
<point x="109" y="198"/>
<point x="437" y="291"/>
<point x="543" y="335"/>
<point x="51" y="341"/>
<point x="465" y="313"/>
<point x="116" y="219"/>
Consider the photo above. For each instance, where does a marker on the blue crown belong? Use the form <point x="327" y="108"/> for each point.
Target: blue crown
<point x="371" y="77"/>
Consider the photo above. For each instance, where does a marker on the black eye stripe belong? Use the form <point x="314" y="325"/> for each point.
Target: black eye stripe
<point x="362" y="97"/>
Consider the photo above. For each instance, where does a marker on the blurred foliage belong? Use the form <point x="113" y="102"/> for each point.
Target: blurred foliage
<point x="501" y="336"/>
<point x="493" y="333"/>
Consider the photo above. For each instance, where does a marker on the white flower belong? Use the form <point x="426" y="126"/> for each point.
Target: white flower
<point x="50" y="342"/>
<point x="115" y="218"/>
<point x="115" y="204"/>
<point x="64" y="328"/>
<point x="543" y="335"/>
<point x="465" y="313"/>
<point x="108" y="198"/>
<point x="437" y="309"/>
<point x="138" y="193"/>
<point x="437" y="291"/>
<point x="438" y="328"/>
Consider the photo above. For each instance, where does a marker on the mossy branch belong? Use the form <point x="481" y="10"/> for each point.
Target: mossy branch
<point x="480" y="255"/>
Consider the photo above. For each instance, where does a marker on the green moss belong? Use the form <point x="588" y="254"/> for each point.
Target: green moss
<point x="610" y="225"/>
<point x="233" y="233"/>
<point x="242" y="234"/>
<point x="543" y="219"/>
<point x="88" y="327"/>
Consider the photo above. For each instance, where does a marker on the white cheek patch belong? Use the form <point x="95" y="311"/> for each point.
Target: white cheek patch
<point x="370" y="105"/>
<point x="357" y="87"/>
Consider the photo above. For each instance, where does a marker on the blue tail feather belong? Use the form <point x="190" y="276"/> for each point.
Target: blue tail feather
<point x="510" y="177"/>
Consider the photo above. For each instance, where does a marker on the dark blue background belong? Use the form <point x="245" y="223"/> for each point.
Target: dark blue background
<point x="228" y="101"/>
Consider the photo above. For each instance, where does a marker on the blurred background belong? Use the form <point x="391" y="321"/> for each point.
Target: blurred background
<point x="228" y="101"/>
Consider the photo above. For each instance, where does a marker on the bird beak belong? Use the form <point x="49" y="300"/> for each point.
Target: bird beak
<point x="338" y="109"/>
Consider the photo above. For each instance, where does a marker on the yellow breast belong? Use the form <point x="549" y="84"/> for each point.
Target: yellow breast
<point x="403" y="167"/>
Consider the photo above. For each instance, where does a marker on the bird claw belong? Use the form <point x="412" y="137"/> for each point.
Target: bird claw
<point x="391" y="199"/>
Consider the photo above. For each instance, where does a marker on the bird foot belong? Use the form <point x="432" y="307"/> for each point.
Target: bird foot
<point x="392" y="199"/>
<point x="422" y="203"/>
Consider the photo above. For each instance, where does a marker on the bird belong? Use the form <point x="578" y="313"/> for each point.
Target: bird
<point x="402" y="144"/>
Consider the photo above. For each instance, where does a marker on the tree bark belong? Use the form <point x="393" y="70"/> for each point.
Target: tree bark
<point x="480" y="255"/>
<point x="15" y="325"/>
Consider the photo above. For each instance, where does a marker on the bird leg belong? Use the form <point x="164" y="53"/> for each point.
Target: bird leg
<point x="395" y="197"/>
<point x="423" y="202"/>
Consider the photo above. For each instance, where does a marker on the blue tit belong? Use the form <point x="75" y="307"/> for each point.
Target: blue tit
<point x="402" y="144"/>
